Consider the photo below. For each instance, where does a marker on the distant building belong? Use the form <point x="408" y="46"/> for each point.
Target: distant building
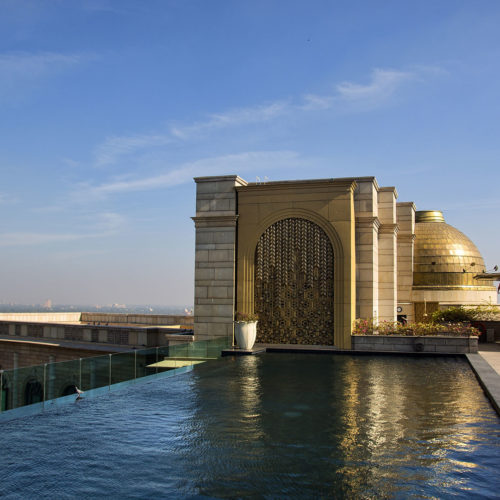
<point x="311" y="256"/>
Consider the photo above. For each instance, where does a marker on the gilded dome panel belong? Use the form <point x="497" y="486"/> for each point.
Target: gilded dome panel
<point x="444" y="256"/>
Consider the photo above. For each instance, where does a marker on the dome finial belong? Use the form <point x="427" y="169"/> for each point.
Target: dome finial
<point x="429" y="216"/>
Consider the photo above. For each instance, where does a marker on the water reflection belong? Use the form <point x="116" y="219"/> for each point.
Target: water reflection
<point x="344" y="425"/>
<point x="273" y="426"/>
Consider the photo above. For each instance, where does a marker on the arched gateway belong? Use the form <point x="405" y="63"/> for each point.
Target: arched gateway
<point x="294" y="287"/>
<point x="284" y="250"/>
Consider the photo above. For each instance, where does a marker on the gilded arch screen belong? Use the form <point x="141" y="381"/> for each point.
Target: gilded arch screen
<point x="294" y="284"/>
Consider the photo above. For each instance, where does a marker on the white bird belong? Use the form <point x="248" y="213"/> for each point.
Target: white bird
<point x="78" y="392"/>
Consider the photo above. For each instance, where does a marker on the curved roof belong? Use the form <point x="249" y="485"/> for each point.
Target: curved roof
<point x="443" y="256"/>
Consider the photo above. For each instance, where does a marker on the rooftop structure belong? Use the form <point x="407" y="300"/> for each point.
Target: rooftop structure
<point x="311" y="256"/>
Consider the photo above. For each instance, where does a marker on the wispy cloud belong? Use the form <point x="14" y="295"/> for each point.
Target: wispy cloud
<point x="314" y="102"/>
<point x="85" y="225"/>
<point x="114" y="147"/>
<point x="20" y="69"/>
<point x="34" y="64"/>
<point x="382" y="85"/>
<point x="185" y="172"/>
<point x="234" y="118"/>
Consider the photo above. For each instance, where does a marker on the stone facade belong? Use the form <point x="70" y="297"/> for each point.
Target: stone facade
<point x="373" y="238"/>
<point x="215" y="264"/>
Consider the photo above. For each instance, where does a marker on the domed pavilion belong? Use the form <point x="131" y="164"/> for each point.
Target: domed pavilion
<point x="445" y="265"/>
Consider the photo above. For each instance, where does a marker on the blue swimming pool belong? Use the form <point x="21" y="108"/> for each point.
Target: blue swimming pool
<point x="275" y="426"/>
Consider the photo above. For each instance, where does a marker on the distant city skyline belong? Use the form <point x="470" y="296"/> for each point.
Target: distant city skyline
<point x="110" y="108"/>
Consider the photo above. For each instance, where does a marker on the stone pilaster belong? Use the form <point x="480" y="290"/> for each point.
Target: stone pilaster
<point x="387" y="254"/>
<point x="367" y="226"/>
<point x="367" y="267"/>
<point x="406" y="237"/>
<point x="215" y="222"/>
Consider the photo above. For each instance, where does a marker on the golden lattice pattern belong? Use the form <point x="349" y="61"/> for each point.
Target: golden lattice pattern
<point x="294" y="284"/>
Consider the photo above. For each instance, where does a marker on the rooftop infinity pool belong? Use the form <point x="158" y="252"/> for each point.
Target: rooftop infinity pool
<point x="271" y="426"/>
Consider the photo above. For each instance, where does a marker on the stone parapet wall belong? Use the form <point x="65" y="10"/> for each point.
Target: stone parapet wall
<point x="138" y="319"/>
<point x="45" y="317"/>
<point x="126" y="335"/>
<point x="399" y="343"/>
<point x="96" y="317"/>
<point x="25" y="353"/>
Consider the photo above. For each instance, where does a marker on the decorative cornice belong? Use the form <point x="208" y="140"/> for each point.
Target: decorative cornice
<point x="406" y="204"/>
<point x="388" y="229"/>
<point x="365" y="221"/>
<point x="406" y="236"/>
<point x="222" y="178"/>
<point x="216" y="221"/>
<point x="389" y="189"/>
<point x="344" y="184"/>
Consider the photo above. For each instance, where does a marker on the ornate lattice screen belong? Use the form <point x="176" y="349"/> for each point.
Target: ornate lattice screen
<point x="294" y="284"/>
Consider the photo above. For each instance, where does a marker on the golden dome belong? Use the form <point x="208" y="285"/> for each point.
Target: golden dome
<point x="443" y="256"/>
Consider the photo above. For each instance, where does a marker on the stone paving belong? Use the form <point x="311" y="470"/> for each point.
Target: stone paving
<point x="491" y="354"/>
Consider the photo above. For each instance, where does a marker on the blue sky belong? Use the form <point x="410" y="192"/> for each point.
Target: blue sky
<point x="108" y="109"/>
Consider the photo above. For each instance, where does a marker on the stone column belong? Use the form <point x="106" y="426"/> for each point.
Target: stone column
<point x="367" y="226"/>
<point x="367" y="267"/>
<point x="406" y="236"/>
<point x="387" y="244"/>
<point x="214" y="275"/>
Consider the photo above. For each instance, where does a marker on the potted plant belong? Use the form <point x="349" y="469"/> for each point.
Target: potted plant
<point x="245" y="329"/>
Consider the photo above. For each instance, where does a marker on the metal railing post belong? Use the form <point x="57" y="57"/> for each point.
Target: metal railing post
<point x="109" y="381"/>
<point x="44" y="382"/>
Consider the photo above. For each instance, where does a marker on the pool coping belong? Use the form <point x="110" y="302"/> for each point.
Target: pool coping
<point x="487" y="377"/>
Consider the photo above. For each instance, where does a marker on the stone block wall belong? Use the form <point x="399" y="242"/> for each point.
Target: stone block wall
<point x="406" y="344"/>
<point x="215" y="257"/>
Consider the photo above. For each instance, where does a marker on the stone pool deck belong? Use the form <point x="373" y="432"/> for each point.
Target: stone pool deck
<point x="486" y="366"/>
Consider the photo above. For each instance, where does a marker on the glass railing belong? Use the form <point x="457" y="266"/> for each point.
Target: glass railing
<point x="36" y="385"/>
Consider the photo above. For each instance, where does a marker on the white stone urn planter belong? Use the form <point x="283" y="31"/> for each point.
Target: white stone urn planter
<point x="245" y="333"/>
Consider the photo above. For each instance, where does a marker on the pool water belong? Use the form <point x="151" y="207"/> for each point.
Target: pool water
<point x="272" y="426"/>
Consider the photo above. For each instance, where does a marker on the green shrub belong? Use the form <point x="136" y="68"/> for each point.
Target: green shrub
<point x="367" y="327"/>
<point x="461" y="314"/>
<point x="453" y="315"/>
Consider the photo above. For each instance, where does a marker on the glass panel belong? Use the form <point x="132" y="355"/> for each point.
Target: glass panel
<point x="122" y="367"/>
<point x="62" y="378"/>
<point x="35" y="384"/>
<point x="216" y="346"/>
<point x="198" y="349"/>
<point x="179" y="351"/>
<point x="145" y="357"/>
<point x="95" y="372"/>
<point x="23" y="386"/>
